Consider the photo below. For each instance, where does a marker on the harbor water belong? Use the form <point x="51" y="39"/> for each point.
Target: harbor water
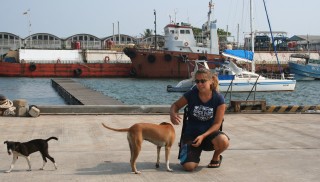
<point x="133" y="91"/>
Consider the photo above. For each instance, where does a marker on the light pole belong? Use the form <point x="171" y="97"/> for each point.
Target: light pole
<point x="29" y="25"/>
<point x="155" y="28"/>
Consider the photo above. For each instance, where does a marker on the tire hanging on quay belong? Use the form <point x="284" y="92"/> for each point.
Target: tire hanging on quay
<point x="32" y="67"/>
<point x="151" y="58"/>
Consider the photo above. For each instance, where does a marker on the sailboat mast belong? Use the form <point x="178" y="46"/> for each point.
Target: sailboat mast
<point x="253" y="69"/>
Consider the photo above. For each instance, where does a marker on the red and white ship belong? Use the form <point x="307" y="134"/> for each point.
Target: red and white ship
<point x="65" y="63"/>
<point x="181" y="48"/>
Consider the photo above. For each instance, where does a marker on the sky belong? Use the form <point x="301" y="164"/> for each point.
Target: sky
<point x="65" y="18"/>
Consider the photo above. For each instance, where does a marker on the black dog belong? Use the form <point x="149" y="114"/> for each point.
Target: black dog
<point x="27" y="148"/>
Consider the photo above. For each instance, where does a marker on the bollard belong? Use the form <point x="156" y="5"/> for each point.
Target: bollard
<point x="21" y="107"/>
<point x="34" y="111"/>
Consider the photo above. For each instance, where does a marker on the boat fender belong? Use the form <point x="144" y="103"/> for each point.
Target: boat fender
<point x="186" y="44"/>
<point x="151" y="58"/>
<point x="175" y="38"/>
<point x="77" y="72"/>
<point x="58" y="61"/>
<point x="167" y="57"/>
<point x="133" y="72"/>
<point x="32" y="67"/>
<point x="106" y="59"/>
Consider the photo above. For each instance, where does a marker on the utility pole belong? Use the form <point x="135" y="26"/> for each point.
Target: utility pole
<point x="29" y="25"/>
<point x="155" y="28"/>
<point x="119" y="33"/>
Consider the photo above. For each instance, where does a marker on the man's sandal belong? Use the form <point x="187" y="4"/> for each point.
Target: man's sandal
<point x="212" y="162"/>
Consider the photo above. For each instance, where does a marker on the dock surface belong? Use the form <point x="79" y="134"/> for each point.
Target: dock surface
<point x="263" y="147"/>
<point x="76" y="94"/>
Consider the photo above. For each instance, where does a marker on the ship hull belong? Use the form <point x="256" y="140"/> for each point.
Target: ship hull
<point x="148" y="63"/>
<point x="305" y="72"/>
<point x="64" y="70"/>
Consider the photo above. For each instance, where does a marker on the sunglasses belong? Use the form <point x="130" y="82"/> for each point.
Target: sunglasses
<point x="201" y="81"/>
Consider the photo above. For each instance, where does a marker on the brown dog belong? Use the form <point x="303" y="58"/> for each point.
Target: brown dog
<point x="161" y="135"/>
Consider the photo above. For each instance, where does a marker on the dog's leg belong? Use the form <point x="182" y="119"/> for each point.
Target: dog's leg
<point x="14" y="159"/>
<point x="53" y="161"/>
<point x="158" y="156"/>
<point x="44" y="163"/>
<point x="29" y="162"/>
<point x="135" y="143"/>
<point x="46" y="155"/>
<point x="136" y="151"/>
<point x="168" y="148"/>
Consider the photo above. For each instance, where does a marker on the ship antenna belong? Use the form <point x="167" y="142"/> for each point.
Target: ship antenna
<point x="209" y="15"/>
<point x="175" y="16"/>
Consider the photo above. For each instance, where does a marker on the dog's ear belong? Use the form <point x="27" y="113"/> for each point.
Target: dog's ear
<point x="5" y="142"/>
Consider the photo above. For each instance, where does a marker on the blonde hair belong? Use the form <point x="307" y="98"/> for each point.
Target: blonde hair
<point x="209" y="75"/>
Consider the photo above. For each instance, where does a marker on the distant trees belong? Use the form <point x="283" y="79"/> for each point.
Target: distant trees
<point x="222" y="34"/>
<point x="147" y="33"/>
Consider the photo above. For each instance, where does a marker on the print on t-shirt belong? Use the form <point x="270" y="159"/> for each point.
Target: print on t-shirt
<point x="203" y="113"/>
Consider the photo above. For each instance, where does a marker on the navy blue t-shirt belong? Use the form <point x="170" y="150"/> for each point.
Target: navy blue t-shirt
<point x="201" y="115"/>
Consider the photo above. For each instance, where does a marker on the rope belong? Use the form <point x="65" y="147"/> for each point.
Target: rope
<point x="5" y="104"/>
<point x="274" y="46"/>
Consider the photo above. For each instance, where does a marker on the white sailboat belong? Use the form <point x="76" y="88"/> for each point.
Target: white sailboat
<point x="235" y="79"/>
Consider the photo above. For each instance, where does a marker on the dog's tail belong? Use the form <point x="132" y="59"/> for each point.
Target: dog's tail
<point x="52" y="138"/>
<point x="114" y="129"/>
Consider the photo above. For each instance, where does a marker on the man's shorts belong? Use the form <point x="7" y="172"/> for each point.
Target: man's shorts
<point x="188" y="153"/>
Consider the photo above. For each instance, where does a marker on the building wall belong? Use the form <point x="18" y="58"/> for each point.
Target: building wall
<point x="10" y="41"/>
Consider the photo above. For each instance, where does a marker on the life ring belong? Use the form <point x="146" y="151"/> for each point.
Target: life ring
<point x="32" y="67"/>
<point x="167" y="57"/>
<point x="106" y="59"/>
<point x="58" y="61"/>
<point x="175" y="38"/>
<point x="186" y="44"/>
<point x="133" y="72"/>
<point x="151" y="58"/>
<point x="77" y="72"/>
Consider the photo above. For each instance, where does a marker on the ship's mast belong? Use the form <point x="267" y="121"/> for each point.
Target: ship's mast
<point x="209" y="16"/>
<point x="212" y="34"/>
<point x="253" y="69"/>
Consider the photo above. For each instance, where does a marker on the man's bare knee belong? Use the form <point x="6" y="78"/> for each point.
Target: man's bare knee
<point x="190" y="166"/>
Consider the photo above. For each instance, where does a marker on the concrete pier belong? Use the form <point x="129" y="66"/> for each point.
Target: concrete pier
<point x="263" y="147"/>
